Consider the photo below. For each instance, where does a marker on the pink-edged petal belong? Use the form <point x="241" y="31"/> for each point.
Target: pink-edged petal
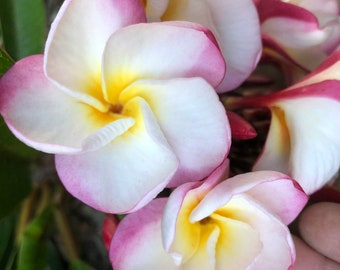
<point x="236" y="27"/>
<point x="125" y="174"/>
<point x="137" y="242"/>
<point x="269" y="9"/>
<point x="277" y="246"/>
<point x="328" y="70"/>
<point x="286" y="207"/>
<point x="193" y="121"/>
<point x="194" y="191"/>
<point x="278" y="52"/>
<point x="238" y="33"/>
<point x="42" y="116"/>
<point x="306" y="37"/>
<point x="244" y="183"/>
<point x="240" y="128"/>
<point x="293" y="33"/>
<point x="159" y="51"/>
<point x="323" y="89"/>
<point x="171" y="212"/>
<point x="76" y="42"/>
<point x="329" y="7"/>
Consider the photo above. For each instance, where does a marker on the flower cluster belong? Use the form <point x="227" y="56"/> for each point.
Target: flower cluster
<point x="138" y="97"/>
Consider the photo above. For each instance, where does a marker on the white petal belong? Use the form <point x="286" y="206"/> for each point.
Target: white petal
<point x="126" y="174"/>
<point x="76" y="42"/>
<point x="40" y="114"/>
<point x="315" y="144"/>
<point x="193" y="121"/>
<point x="159" y="51"/>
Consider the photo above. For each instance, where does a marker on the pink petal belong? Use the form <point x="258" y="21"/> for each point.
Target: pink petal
<point x="318" y="89"/>
<point x="238" y="33"/>
<point x="282" y="9"/>
<point x="76" y="43"/>
<point x="306" y="37"/>
<point x="42" y="116"/>
<point x="125" y="174"/>
<point x="288" y="206"/>
<point x="159" y="51"/>
<point x="328" y="70"/>
<point x="248" y="183"/>
<point x="137" y="243"/>
<point x="193" y="136"/>
<point x="329" y="7"/>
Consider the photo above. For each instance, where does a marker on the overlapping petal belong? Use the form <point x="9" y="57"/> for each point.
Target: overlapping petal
<point x="234" y="23"/>
<point x="306" y="31"/>
<point x="311" y="152"/>
<point x="133" y="103"/>
<point x="260" y="185"/>
<point x="188" y="112"/>
<point x="113" y="178"/>
<point x="76" y="42"/>
<point x="232" y="221"/>
<point x="303" y="136"/>
<point x="327" y="71"/>
<point x="330" y="7"/>
<point x="40" y="114"/>
<point x="186" y="197"/>
<point x="278" y="241"/>
<point x="137" y="242"/>
<point x="178" y="50"/>
<point x="240" y="230"/>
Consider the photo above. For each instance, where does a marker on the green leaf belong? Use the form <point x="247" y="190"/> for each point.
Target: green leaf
<point x="23" y="27"/>
<point x="10" y="143"/>
<point x="5" y="62"/>
<point x="14" y="181"/>
<point x="34" y="247"/>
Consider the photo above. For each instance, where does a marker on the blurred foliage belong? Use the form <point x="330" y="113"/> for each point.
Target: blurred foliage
<point x="33" y="247"/>
<point x="5" y="61"/>
<point x="15" y="182"/>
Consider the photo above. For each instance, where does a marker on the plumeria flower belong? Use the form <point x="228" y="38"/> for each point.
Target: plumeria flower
<point x="236" y="224"/>
<point x="303" y="32"/>
<point x="235" y="25"/>
<point x="127" y="107"/>
<point x="303" y="139"/>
